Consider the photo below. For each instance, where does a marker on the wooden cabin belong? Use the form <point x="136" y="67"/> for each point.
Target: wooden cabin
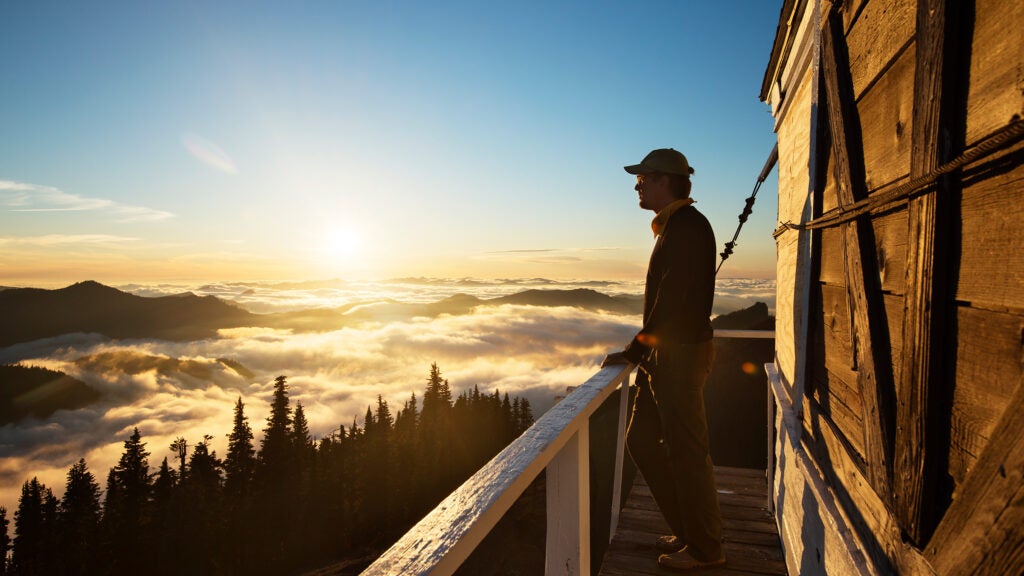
<point x="900" y="310"/>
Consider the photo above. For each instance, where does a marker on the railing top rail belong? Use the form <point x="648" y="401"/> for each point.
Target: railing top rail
<point x="719" y="333"/>
<point x="445" y="537"/>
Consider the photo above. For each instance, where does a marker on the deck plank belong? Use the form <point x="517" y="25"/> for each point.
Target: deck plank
<point x="749" y="534"/>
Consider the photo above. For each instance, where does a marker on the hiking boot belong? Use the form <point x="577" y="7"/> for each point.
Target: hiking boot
<point x="669" y="544"/>
<point x="682" y="561"/>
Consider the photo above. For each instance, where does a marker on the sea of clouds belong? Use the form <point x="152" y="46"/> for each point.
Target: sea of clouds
<point x="188" y="389"/>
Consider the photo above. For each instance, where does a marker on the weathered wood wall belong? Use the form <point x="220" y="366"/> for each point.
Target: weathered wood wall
<point x="953" y="262"/>
<point x="794" y="182"/>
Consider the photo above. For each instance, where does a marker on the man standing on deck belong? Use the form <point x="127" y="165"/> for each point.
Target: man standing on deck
<point x="668" y="432"/>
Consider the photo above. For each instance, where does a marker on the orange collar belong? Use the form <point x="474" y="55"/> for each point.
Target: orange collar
<point x="661" y="220"/>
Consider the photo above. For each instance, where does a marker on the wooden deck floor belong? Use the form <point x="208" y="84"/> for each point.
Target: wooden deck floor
<point x="751" y="540"/>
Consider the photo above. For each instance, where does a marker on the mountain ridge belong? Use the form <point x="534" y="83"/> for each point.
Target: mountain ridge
<point x="92" y="307"/>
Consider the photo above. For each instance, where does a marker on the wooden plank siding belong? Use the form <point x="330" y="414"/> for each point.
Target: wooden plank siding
<point x="981" y="533"/>
<point x="794" y="158"/>
<point x="886" y="122"/>
<point x="914" y="406"/>
<point x="988" y="372"/>
<point x="996" y="88"/>
<point x="877" y="34"/>
<point x="890" y="232"/>
<point x="991" y="259"/>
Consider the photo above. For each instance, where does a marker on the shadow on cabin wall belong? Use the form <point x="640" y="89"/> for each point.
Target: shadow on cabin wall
<point x="813" y="534"/>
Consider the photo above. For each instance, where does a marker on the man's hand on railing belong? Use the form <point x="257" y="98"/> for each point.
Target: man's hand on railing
<point x="613" y="359"/>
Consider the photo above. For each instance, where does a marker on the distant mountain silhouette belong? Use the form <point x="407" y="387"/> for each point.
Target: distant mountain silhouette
<point x="30" y="391"/>
<point x="755" y="317"/>
<point x="582" y="297"/>
<point x="33" y="313"/>
<point x="387" y="310"/>
<point x="91" y="307"/>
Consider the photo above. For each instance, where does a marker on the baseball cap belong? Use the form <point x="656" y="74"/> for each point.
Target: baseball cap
<point x="664" y="161"/>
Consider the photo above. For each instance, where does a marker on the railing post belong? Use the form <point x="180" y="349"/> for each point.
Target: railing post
<point x="769" y="467"/>
<point x="620" y="453"/>
<point x="568" y="507"/>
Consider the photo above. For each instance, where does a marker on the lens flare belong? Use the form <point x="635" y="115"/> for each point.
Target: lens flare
<point x="208" y="153"/>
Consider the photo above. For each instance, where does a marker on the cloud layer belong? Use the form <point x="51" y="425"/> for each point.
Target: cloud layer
<point x="171" y="389"/>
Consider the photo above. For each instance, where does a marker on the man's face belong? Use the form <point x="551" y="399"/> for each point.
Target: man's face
<point x="653" y="190"/>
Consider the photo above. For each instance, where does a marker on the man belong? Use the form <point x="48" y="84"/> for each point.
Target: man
<point x="668" y="433"/>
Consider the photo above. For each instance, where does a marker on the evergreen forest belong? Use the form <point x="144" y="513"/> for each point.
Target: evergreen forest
<point x="290" y="504"/>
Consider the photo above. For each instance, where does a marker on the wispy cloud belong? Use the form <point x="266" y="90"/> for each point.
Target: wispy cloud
<point x="545" y="255"/>
<point x="531" y="251"/>
<point x="549" y="250"/>
<point x="50" y="240"/>
<point x="208" y="153"/>
<point x="26" y="197"/>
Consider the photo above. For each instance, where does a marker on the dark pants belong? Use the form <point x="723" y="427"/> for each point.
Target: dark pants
<point x="668" y="440"/>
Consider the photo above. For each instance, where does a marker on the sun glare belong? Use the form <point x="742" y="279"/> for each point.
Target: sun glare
<point x="342" y="243"/>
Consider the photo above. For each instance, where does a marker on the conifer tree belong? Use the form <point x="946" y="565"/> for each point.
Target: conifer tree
<point x="240" y="469"/>
<point x="525" y="419"/>
<point x="382" y="416"/>
<point x="202" y="491"/>
<point x="516" y="415"/>
<point x="240" y="463"/>
<point x="180" y="449"/>
<point x="31" y="531"/>
<point x="303" y="516"/>
<point x="5" y="541"/>
<point x="468" y="449"/>
<point x="334" y="489"/>
<point x="508" y="424"/>
<point x="300" y="428"/>
<point x="129" y="502"/>
<point x="79" y="520"/>
<point x="51" y="531"/>
<point x="110" y="500"/>
<point x="277" y="490"/>
<point x="204" y="468"/>
<point x="164" y="482"/>
<point x="379" y="465"/>
<point x="167" y="518"/>
<point x="132" y="473"/>
<point x="436" y="435"/>
<point x="276" y="443"/>
<point x="407" y="474"/>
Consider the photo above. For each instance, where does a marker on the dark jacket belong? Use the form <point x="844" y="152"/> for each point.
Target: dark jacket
<point x="680" y="289"/>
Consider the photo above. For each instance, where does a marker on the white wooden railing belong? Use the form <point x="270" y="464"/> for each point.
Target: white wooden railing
<point x="559" y="441"/>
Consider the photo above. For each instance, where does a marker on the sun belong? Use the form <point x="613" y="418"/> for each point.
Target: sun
<point x="342" y="243"/>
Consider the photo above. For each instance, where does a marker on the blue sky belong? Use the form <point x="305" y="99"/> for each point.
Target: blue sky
<point x="148" y="142"/>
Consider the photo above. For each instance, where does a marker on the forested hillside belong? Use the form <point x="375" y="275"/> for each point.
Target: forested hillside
<point x="291" y="503"/>
<point x="39" y="392"/>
